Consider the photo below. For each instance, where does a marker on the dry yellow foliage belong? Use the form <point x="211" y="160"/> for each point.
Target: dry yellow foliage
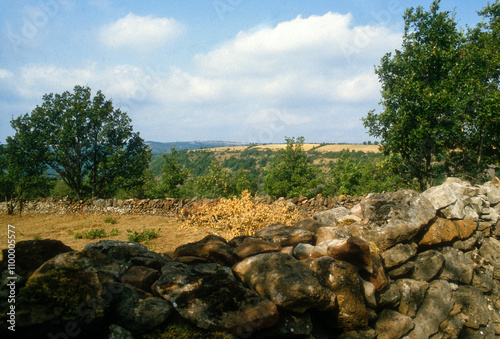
<point x="230" y="218"/>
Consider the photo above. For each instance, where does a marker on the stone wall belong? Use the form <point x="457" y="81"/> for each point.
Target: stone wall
<point x="397" y="265"/>
<point x="169" y="206"/>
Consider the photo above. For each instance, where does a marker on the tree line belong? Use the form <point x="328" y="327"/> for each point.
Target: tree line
<point x="440" y="117"/>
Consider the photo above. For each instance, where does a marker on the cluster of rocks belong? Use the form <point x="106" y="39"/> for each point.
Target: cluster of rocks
<point x="398" y="265"/>
<point x="168" y="206"/>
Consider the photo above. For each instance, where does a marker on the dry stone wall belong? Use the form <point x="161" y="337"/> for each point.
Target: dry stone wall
<point x="397" y="265"/>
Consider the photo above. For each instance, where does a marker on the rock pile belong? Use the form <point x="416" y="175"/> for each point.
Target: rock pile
<point x="399" y="265"/>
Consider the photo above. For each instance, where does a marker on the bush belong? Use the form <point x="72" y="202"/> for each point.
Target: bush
<point x="144" y="236"/>
<point x="110" y="220"/>
<point x="91" y="234"/>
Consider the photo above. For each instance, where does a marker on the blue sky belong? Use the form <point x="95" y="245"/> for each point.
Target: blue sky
<point x="234" y="70"/>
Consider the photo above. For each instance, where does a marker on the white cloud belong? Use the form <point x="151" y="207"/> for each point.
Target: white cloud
<point x="307" y="76"/>
<point x="5" y="74"/>
<point x="140" y="32"/>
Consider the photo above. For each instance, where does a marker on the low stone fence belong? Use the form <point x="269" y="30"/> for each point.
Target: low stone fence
<point x="169" y="206"/>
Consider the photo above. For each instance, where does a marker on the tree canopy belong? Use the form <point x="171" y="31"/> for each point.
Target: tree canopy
<point x="90" y="145"/>
<point x="439" y="97"/>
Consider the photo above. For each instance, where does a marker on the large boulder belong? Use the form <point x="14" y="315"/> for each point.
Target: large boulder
<point x="394" y="218"/>
<point x="286" y="281"/>
<point x="342" y="278"/>
<point x="209" y="296"/>
<point x="251" y="246"/>
<point x="334" y="216"/>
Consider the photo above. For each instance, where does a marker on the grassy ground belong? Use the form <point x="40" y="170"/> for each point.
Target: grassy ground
<point x="63" y="227"/>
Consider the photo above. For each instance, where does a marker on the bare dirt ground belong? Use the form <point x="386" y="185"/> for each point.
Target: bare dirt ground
<point x="63" y="227"/>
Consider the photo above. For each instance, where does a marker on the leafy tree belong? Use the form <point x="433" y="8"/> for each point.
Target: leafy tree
<point x="478" y="105"/>
<point x="214" y="184"/>
<point x="419" y="93"/>
<point x="173" y="175"/>
<point x="22" y="172"/>
<point x="87" y="142"/>
<point x="291" y="172"/>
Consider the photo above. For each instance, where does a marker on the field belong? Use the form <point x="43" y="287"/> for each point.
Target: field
<point x="63" y="227"/>
<point x="307" y="147"/>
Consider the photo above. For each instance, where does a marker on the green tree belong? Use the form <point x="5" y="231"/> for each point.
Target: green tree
<point x="173" y="175"/>
<point x="419" y="93"/>
<point x="478" y="105"/>
<point x="291" y="172"/>
<point x="215" y="183"/>
<point x="87" y="142"/>
<point x="22" y="171"/>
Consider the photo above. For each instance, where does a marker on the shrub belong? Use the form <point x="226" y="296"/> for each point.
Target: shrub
<point x="110" y="220"/>
<point x="144" y="236"/>
<point x="91" y="234"/>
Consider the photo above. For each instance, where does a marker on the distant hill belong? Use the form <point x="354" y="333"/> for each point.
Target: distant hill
<point x="164" y="147"/>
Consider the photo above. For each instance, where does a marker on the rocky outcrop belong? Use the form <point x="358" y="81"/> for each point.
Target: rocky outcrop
<point x="398" y="265"/>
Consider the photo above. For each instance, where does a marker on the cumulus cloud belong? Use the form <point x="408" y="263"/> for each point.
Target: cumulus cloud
<point x="140" y="32"/>
<point x="308" y="76"/>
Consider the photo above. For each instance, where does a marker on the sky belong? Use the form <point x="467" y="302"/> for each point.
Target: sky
<point x="232" y="70"/>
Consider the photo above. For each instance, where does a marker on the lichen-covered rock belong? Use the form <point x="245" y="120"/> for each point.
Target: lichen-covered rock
<point x="342" y="278"/>
<point x="334" y="215"/>
<point x="286" y="281"/>
<point x="473" y="305"/>
<point x="441" y="231"/>
<point x="209" y="296"/>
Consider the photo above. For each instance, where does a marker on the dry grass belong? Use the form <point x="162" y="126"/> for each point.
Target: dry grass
<point x="307" y="147"/>
<point x="63" y="227"/>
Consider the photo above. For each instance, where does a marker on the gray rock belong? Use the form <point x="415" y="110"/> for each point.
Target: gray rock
<point x="412" y="294"/>
<point x="490" y="251"/>
<point x="427" y="265"/>
<point x="457" y="267"/>
<point x="483" y="279"/>
<point x="331" y="216"/>
<point x="402" y="271"/>
<point x="454" y="211"/>
<point x="392" y="324"/>
<point x="435" y="309"/>
<point x="137" y="311"/>
<point x="389" y="297"/>
<point x="286" y="281"/>
<point x="209" y="296"/>
<point x="342" y="278"/>
<point x="398" y="254"/>
<point x="445" y="194"/>
<point x="395" y="217"/>
<point x="473" y="305"/>
<point x="493" y="193"/>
